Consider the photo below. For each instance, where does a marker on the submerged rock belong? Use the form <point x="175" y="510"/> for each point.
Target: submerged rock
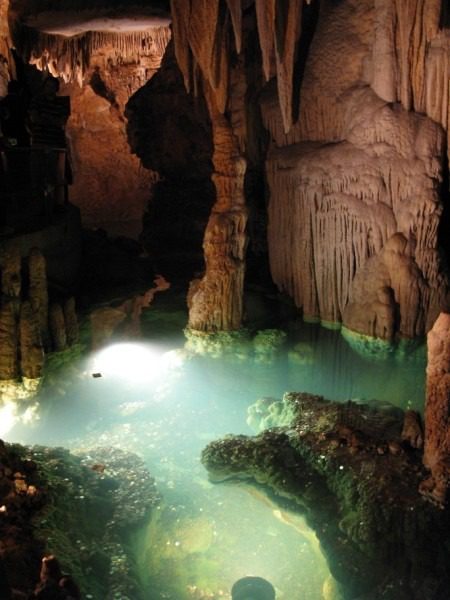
<point x="346" y="467"/>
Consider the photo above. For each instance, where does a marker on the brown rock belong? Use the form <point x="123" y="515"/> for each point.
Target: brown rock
<point x="38" y="293"/>
<point x="437" y="410"/>
<point x="216" y="302"/>
<point x="412" y="429"/>
<point x="8" y="342"/>
<point x="10" y="263"/>
<point x="31" y="351"/>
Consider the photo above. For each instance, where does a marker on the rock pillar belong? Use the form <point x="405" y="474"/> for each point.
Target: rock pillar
<point x="437" y="411"/>
<point x="216" y="301"/>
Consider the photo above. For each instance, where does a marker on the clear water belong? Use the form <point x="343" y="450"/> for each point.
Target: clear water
<point x="204" y="537"/>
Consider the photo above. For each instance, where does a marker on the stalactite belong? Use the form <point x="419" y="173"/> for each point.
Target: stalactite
<point x="412" y="57"/>
<point x="69" y="57"/>
<point x="181" y="13"/>
<point x="286" y="35"/>
<point x="265" y="14"/>
<point x="203" y="22"/>
<point x="235" y="8"/>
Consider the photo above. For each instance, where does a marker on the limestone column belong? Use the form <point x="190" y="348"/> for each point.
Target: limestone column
<point x="437" y="411"/>
<point x="216" y="301"/>
<point x="38" y="292"/>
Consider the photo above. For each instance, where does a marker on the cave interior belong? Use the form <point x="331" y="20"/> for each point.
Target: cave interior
<point x="225" y="301"/>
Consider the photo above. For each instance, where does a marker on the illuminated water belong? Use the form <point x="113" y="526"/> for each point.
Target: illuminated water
<point x="203" y="537"/>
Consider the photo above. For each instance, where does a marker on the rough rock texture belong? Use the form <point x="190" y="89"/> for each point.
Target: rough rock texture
<point x="344" y="466"/>
<point x="10" y="264"/>
<point x="216" y="301"/>
<point x="8" y="341"/>
<point x="437" y="410"/>
<point x="102" y="70"/>
<point x="38" y="291"/>
<point x="355" y="185"/>
<point x="109" y="185"/>
<point x="24" y="323"/>
<point x="31" y="351"/>
<point x="81" y="508"/>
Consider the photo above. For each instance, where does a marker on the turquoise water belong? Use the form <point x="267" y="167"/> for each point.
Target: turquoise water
<point x="156" y="400"/>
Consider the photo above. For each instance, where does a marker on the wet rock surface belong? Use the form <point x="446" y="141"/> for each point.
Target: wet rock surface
<point x="82" y="508"/>
<point x="346" y="467"/>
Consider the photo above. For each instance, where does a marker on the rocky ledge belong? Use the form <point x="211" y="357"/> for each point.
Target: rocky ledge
<point x="354" y="472"/>
<point x="82" y="508"/>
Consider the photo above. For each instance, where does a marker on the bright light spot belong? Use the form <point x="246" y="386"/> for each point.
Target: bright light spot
<point x="8" y="418"/>
<point x="133" y="362"/>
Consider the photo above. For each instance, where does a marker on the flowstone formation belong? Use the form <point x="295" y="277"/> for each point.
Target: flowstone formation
<point x="82" y="508"/>
<point x="354" y="472"/>
<point x="356" y="184"/>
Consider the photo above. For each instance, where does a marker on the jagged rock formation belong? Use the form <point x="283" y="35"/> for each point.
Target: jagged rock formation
<point x="345" y="468"/>
<point x="215" y="301"/>
<point x="31" y="351"/>
<point x="38" y="290"/>
<point x="25" y="322"/>
<point x="104" y="57"/>
<point x="356" y="183"/>
<point x="437" y="410"/>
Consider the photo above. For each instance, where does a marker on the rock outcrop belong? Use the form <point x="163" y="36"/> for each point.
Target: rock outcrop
<point x="346" y="469"/>
<point x="437" y="410"/>
<point x="355" y="185"/>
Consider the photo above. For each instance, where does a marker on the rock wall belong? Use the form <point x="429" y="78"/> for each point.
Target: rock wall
<point x="109" y="184"/>
<point x="437" y="410"/>
<point x="101" y="70"/>
<point x="355" y="185"/>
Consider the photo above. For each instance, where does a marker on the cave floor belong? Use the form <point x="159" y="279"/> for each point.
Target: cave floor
<point x="202" y="537"/>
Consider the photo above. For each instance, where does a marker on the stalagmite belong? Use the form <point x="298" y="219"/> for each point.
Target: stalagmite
<point x="70" y="57"/>
<point x="437" y="410"/>
<point x="31" y="351"/>
<point x="10" y="265"/>
<point x="355" y="185"/>
<point x="8" y="342"/>
<point x="37" y="292"/>
<point x="216" y="301"/>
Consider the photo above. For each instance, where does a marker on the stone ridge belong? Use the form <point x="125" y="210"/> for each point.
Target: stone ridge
<point x="346" y="467"/>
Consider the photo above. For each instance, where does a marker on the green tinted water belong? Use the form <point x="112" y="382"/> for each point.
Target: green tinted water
<point x="203" y="537"/>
